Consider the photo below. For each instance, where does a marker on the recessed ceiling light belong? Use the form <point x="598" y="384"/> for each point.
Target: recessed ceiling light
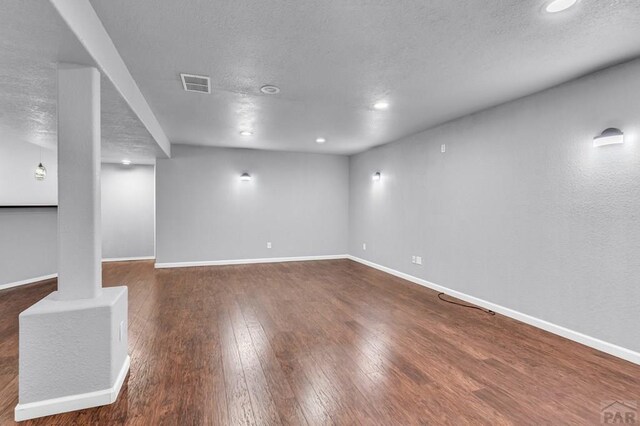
<point x="126" y="162"/>
<point x="381" y="105"/>
<point x="556" y="6"/>
<point x="321" y="140"/>
<point x="246" y="133"/>
<point x="269" y="89"/>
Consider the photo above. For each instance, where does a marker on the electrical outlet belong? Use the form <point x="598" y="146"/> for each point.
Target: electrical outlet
<point x="443" y="148"/>
<point x="413" y="259"/>
<point x="269" y="244"/>
<point x="364" y="246"/>
<point x="419" y="260"/>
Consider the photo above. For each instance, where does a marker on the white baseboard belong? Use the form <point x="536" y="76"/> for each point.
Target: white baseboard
<point x="128" y="259"/>
<point x="28" y="281"/>
<point x="50" y="276"/>
<point x="247" y="261"/>
<point x="65" y="404"/>
<point x="592" y="342"/>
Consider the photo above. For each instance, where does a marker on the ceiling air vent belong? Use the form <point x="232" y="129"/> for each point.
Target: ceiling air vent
<point x="195" y="83"/>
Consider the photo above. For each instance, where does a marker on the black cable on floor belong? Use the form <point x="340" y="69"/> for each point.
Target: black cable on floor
<point x="486" y="311"/>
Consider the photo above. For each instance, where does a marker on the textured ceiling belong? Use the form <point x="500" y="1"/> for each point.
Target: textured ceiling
<point x="433" y="60"/>
<point x="33" y="40"/>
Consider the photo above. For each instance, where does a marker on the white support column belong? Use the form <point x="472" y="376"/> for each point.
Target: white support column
<point x="73" y="343"/>
<point x="79" y="239"/>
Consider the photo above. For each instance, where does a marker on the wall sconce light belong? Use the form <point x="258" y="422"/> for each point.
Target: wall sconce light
<point x="609" y="136"/>
<point x="376" y="176"/>
<point x="126" y="162"/>
<point x="245" y="177"/>
<point x="41" y="172"/>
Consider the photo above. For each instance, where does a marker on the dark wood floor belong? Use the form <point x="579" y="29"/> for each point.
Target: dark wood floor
<point x="328" y="342"/>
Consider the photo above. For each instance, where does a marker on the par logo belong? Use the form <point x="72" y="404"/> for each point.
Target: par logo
<point x="619" y="412"/>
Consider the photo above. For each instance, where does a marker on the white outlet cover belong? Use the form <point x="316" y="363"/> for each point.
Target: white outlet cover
<point x="443" y="148"/>
<point x="269" y="245"/>
<point x="364" y="246"/>
<point x="419" y="260"/>
<point x="413" y="259"/>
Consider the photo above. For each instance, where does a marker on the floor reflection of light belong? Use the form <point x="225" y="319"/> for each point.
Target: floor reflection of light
<point x="315" y="392"/>
<point x="372" y="351"/>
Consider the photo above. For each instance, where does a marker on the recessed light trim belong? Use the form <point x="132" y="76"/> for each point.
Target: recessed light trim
<point x="246" y="133"/>
<point x="556" y="6"/>
<point x="270" y="89"/>
<point x="320" y="140"/>
<point x="381" y="105"/>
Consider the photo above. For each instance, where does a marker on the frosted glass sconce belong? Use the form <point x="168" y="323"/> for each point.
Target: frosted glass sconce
<point x="609" y="136"/>
<point x="41" y="172"/>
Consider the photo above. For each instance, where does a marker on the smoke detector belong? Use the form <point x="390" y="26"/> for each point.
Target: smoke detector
<point x="269" y="89"/>
<point x="196" y="83"/>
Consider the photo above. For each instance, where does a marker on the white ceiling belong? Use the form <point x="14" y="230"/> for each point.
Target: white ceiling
<point x="33" y="39"/>
<point x="433" y="60"/>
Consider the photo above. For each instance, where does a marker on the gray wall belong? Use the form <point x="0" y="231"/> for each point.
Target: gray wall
<point x="18" y="161"/>
<point x="128" y="211"/>
<point x="521" y="210"/>
<point x="299" y="202"/>
<point x="29" y="236"/>
<point x="28" y="243"/>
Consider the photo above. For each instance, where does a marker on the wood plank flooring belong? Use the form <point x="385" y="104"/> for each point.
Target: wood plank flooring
<point x="326" y="342"/>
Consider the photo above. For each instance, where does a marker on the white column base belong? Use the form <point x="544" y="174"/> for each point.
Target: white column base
<point x="81" y="401"/>
<point x="73" y="353"/>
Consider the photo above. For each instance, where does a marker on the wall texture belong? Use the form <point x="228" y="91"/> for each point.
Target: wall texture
<point x="128" y="211"/>
<point x="29" y="236"/>
<point x="298" y="202"/>
<point x="521" y="210"/>
<point x="28" y="243"/>
<point x="18" y="161"/>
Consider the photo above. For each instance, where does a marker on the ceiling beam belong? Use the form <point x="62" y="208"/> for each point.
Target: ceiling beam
<point x="84" y="22"/>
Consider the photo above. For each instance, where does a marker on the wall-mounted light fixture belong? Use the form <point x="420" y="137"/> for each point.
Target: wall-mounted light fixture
<point x="376" y="176"/>
<point x="41" y="172"/>
<point x="126" y="162"/>
<point x="245" y="177"/>
<point x="609" y="136"/>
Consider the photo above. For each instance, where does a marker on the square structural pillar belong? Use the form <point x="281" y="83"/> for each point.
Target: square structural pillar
<point x="73" y="343"/>
<point x="73" y="354"/>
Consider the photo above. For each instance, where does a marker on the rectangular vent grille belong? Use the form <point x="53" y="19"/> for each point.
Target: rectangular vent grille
<point x="195" y="83"/>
